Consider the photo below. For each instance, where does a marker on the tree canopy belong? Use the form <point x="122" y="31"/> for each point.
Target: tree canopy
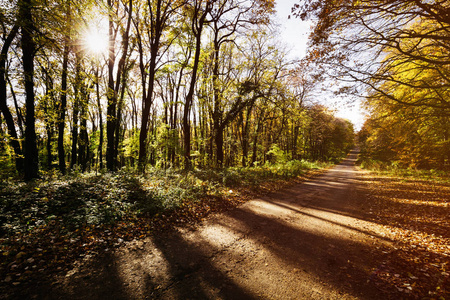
<point x="396" y="54"/>
<point x="88" y="85"/>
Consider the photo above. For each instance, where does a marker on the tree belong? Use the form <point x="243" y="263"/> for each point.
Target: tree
<point x="14" y="139"/>
<point x="62" y="104"/>
<point x="413" y="136"/>
<point x="199" y="12"/>
<point x="117" y="83"/>
<point x="352" y="39"/>
<point x="216" y="89"/>
<point x="227" y="17"/>
<point x="264" y="65"/>
<point x="158" y="16"/>
<point x="47" y="102"/>
<point x="413" y="82"/>
<point x="400" y="50"/>
<point x="28" y="52"/>
<point x="328" y="137"/>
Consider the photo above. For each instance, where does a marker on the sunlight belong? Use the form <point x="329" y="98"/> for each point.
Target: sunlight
<point x="96" y="42"/>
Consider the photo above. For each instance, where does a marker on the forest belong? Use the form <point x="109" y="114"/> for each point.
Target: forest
<point x="121" y="120"/>
<point x="394" y="54"/>
<point x="101" y="86"/>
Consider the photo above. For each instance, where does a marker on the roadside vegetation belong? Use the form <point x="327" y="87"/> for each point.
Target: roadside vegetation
<point x="393" y="169"/>
<point x="49" y="223"/>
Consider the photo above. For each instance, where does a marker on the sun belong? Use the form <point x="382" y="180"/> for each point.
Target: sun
<point x="96" y="42"/>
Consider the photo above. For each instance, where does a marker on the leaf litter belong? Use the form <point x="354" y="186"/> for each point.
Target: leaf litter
<point x="36" y="248"/>
<point x="414" y="214"/>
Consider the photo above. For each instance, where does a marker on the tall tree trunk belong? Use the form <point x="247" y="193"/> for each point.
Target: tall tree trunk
<point x="111" y="120"/>
<point x="74" y="152"/>
<point x="121" y="80"/>
<point x="245" y="133"/>
<point x="255" y="140"/>
<point x="2" y="136"/>
<point x="49" y="129"/>
<point x="100" y="117"/>
<point x="146" y="109"/>
<point x="197" y="24"/>
<point x="28" y="51"/>
<point x="49" y="122"/>
<point x="203" y="120"/>
<point x="175" y="133"/>
<point x="83" y="140"/>
<point x="119" y="120"/>
<point x="63" y="102"/>
<point x="171" y="148"/>
<point x="295" y="142"/>
<point x="76" y="111"/>
<point x="159" y="20"/>
<point x="174" y="110"/>
<point x="217" y="114"/>
<point x="218" y="139"/>
<point x="14" y="140"/>
<point x="20" y="118"/>
<point x="110" y="127"/>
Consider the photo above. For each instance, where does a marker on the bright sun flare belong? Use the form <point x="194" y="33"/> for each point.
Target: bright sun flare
<point x="96" y="42"/>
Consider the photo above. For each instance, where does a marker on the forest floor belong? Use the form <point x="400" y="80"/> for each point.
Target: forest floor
<point x="343" y="234"/>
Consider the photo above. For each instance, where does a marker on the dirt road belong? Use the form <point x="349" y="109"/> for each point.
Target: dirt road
<point x="306" y="242"/>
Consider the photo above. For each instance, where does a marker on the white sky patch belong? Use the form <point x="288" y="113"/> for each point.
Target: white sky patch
<point x="294" y="32"/>
<point x="355" y="114"/>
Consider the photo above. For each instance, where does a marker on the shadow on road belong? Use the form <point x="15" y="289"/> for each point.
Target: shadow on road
<point x="311" y="241"/>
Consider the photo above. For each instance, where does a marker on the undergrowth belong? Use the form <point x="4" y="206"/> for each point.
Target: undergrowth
<point x="393" y="169"/>
<point x="48" y="224"/>
<point x="80" y="200"/>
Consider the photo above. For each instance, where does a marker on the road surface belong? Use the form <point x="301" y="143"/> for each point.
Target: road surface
<point x="306" y="242"/>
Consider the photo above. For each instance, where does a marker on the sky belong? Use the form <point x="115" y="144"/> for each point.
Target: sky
<point x="294" y="33"/>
